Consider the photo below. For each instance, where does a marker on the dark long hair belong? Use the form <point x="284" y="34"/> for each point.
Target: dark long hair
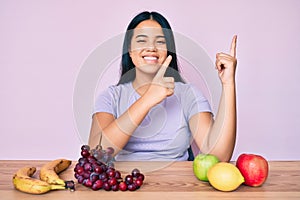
<point x="128" y="68"/>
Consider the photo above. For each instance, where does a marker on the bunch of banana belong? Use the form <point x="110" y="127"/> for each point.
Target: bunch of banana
<point x="49" y="172"/>
<point x="50" y="180"/>
<point x="23" y="181"/>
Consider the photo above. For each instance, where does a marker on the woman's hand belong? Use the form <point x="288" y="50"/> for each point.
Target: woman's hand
<point x="161" y="87"/>
<point x="226" y="64"/>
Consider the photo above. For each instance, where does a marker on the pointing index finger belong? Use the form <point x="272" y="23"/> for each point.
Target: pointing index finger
<point x="233" y="46"/>
<point x="161" y="72"/>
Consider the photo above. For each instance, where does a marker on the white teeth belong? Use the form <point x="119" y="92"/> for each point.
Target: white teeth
<point x="150" y="58"/>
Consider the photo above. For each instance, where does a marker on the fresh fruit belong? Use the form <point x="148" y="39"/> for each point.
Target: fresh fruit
<point x="49" y="172"/>
<point x="123" y="186"/>
<point x="23" y="181"/>
<point x="202" y="163"/>
<point x="95" y="169"/>
<point x="254" y="168"/>
<point x="225" y="176"/>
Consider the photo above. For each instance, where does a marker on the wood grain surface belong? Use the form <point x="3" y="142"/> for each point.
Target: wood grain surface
<point x="163" y="180"/>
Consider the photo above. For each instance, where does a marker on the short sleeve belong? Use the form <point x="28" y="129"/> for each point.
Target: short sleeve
<point x="194" y="101"/>
<point x="105" y="101"/>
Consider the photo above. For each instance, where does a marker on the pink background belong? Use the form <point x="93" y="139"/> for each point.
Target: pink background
<point x="44" y="43"/>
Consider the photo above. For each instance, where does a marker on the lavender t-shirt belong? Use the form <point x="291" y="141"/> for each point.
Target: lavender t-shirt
<point x="164" y="134"/>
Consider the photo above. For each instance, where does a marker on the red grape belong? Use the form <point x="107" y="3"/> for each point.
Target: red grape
<point x="123" y="186"/>
<point x="87" y="167"/>
<point x="98" y="169"/>
<point x="82" y="161"/>
<point x="86" y="174"/>
<point x="95" y="169"/>
<point x="91" y="159"/>
<point x="85" y="153"/>
<point x="131" y="187"/>
<point x="103" y="176"/>
<point x="129" y="179"/>
<point x="106" y="186"/>
<point x="138" y="182"/>
<point x="115" y="187"/>
<point x="112" y="181"/>
<point x="85" y="147"/>
<point x="80" y="170"/>
<point x="80" y="179"/>
<point x="87" y="183"/>
<point x="94" y="177"/>
<point x="111" y="173"/>
<point x="118" y="175"/>
<point x="135" y="172"/>
<point x="97" y="185"/>
<point x="141" y="177"/>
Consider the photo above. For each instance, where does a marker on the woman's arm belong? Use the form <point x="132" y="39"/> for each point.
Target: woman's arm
<point x="218" y="137"/>
<point x="117" y="132"/>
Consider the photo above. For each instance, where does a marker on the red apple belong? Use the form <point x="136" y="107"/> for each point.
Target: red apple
<point x="254" y="169"/>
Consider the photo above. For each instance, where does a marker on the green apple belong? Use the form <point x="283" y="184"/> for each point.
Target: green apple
<point x="202" y="163"/>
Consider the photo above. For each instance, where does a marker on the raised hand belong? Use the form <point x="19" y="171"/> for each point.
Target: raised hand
<point x="161" y="87"/>
<point x="226" y="64"/>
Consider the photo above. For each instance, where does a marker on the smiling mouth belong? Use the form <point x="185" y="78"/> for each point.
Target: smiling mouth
<point x="150" y="58"/>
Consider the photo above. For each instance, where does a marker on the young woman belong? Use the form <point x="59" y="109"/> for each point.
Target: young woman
<point x="152" y="114"/>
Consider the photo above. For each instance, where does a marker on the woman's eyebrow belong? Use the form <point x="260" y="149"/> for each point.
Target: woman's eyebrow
<point x="160" y="36"/>
<point x="141" y="35"/>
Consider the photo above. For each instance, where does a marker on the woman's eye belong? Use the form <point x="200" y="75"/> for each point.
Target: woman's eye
<point x="141" y="41"/>
<point x="161" y="42"/>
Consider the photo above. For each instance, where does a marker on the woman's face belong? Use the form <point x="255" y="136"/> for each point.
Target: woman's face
<point x="148" y="48"/>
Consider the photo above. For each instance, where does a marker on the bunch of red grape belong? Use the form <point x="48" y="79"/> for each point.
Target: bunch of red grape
<point x="95" y="169"/>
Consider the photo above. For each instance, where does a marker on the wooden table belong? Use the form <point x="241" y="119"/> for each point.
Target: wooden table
<point x="163" y="181"/>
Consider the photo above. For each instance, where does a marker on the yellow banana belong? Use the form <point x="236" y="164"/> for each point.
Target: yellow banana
<point x="23" y="181"/>
<point x="49" y="172"/>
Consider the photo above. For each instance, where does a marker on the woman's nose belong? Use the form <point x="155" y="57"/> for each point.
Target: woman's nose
<point x="151" y="47"/>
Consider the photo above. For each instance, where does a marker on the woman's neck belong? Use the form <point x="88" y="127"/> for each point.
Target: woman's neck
<point x="140" y="86"/>
<point x="141" y="82"/>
